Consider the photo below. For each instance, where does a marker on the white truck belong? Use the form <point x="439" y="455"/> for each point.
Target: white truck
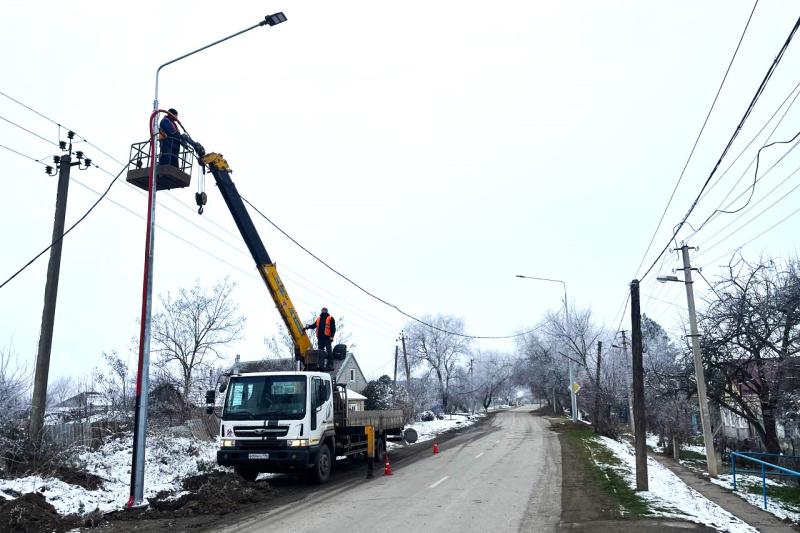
<point x="297" y="422"/>
<point x="288" y="421"/>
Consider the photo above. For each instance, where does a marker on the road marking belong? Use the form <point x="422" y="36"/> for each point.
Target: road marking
<point x="437" y="483"/>
<point x="479" y="455"/>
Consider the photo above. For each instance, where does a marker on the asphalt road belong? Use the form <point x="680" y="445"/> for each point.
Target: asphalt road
<point x="504" y="477"/>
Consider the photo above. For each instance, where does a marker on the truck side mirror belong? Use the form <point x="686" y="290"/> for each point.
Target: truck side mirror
<point x="210" y="396"/>
<point x="209" y="410"/>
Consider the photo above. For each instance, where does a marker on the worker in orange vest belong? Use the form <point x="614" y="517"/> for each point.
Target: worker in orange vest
<point x="326" y="329"/>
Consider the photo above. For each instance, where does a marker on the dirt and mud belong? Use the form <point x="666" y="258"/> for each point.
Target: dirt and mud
<point x="208" y="498"/>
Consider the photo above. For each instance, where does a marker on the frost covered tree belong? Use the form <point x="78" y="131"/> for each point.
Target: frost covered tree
<point x="192" y="328"/>
<point x="439" y="349"/>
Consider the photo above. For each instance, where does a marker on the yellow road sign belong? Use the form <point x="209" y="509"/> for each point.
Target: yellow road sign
<point x="575" y="388"/>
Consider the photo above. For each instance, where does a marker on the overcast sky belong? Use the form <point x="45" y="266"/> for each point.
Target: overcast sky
<point x="428" y="150"/>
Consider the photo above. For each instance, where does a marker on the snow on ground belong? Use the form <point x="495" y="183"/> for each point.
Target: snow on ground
<point x="652" y="441"/>
<point x="169" y="460"/>
<point x="428" y="430"/>
<point x="670" y="497"/>
<point x="774" y="506"/>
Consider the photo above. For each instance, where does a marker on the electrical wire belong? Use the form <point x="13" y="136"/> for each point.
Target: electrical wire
<point x="81" y="219"/>
<point x="735" y="134"/>
<point x="752" y="188"/>
<point x="23" y="155"/>
<point x="697" y="140"/>
<point x="23" y="128"/>
<point x="378" y="298"/>
<point x="737" y="219"/>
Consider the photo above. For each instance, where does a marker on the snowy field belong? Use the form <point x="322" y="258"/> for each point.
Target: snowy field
<point x="168" y="462"/>
<point x="669" y="496"/>
<point x="428" y="430"/>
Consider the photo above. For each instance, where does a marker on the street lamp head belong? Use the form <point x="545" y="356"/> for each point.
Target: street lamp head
<point x="520" y="276"/>
<point x="664" y="279"/>
<point x="277" y="18"/>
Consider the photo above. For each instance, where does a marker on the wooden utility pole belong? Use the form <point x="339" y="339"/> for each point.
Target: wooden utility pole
<point x="597" y="388"/>
<point x="39" y="398"/>
<point x="638" y="389"/>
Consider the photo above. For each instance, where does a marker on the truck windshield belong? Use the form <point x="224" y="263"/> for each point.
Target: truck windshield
<point x="266" y="397"/>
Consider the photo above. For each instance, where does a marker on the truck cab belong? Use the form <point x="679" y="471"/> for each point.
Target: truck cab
<point x="278" y="422"/>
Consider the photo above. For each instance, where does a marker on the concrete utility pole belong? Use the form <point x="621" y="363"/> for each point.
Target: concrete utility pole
<point x="628" y="381"/>
<point x="395" y="364"/>
<point x="50" y="295"/>
<point x="405" y="360"/>
<point x="705" y="415"/>
<point x="39" y="399"/>
<point x="638" y="389"/>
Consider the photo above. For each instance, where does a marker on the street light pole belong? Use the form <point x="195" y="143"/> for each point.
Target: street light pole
<point x="572" y="395"/>
<point x="699" y="371"/>
<point x="142" y="375"/>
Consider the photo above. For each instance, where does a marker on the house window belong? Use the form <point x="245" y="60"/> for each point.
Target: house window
<point x="352" y="375"/>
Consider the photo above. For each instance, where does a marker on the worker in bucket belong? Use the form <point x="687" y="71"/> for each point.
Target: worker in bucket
<point x="326" y="329"/>
<point x="169" y="139"/>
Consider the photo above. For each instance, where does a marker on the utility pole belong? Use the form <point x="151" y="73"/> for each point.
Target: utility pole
<point x="638" y="389"/>
<point x="705" y="416"/>
<point x="628" y="381"/>
<point x="405" y="360"/>
<point x="597" y="387"/>
<point x="395" y="364"/>
<point x="39" y="400"/>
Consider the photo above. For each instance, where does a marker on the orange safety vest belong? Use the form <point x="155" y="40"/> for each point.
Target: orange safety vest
<point x="327" y="325"/>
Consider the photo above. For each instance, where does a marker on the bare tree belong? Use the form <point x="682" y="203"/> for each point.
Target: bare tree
<point x="751" y="339"/>
<point x="439" y="348"/>
<point x="192" y="328"/>
<point x="15" y="395"/>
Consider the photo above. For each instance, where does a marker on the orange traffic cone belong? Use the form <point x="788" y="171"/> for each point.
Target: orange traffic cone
<point x="387" y="468"/>
<point x="435" y="447"/>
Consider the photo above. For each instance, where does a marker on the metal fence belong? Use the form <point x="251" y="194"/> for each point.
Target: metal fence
<point x="766" y="468"/>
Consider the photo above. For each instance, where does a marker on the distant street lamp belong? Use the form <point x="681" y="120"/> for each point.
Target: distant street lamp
<point x="572" y="395"/>
<point x="142" y="379"/>
<point x="700" y="378"/>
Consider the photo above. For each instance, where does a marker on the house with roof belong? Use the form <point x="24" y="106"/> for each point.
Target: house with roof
<point x="348" y="372"/>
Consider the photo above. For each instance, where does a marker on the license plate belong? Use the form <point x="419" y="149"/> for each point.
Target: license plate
<point x="258" y="456"/>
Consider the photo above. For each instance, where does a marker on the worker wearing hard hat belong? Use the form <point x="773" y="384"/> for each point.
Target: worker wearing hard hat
<point x="169" y="139"/>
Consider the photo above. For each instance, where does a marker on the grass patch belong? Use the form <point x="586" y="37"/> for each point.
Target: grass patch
<point x="600" y="461"/>
<point x="688" y="455"/>
<point x="788" y="496"/>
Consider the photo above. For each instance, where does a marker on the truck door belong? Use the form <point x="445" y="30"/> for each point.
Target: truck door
<point x="321" y="411"/>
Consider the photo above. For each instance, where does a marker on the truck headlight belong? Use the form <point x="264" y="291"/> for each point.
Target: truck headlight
<point x="228" y="443"/>
<point x="296" y="443"/>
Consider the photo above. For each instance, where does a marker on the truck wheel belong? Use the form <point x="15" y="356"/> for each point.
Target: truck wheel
<point x="247" y="473"/>
<point x="322" y="467"/>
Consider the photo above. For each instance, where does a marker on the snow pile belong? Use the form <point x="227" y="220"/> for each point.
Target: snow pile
<point x="774" y="506"/>
<point x="669" y="496"/>
<point x="169" y="460"/>
<point x="428" y="430"/>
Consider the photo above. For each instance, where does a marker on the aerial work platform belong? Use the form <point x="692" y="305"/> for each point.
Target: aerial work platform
<point x="169" y="176"/>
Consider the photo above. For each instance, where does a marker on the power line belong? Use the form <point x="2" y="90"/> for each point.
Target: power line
<point x="37" y="256"/>
<point x="23" y="128"/>
<point x="23" y="155"/>
<point x="737" y="219"/>
<point x="368" y="293"/>
<point x="743" y="150"/>
<point x="697" y="140"/>
<point x="781" y="221"/>
<point x="735" y="134"/>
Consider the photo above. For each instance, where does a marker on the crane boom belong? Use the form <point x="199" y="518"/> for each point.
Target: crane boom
<point x="269" y="273"/>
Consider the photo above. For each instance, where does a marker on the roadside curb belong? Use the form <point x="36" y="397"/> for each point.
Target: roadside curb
<point x="750" y="514"/>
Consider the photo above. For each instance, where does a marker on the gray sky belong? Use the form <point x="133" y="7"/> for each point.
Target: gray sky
<point x="430" y="153"/>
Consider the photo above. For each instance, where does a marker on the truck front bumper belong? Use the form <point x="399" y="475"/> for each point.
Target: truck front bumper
<point x="284" y="460"/>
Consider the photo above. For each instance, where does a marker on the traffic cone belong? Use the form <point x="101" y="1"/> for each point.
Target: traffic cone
<point x="435" y="447"/>
<point x="387" y="468"/>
